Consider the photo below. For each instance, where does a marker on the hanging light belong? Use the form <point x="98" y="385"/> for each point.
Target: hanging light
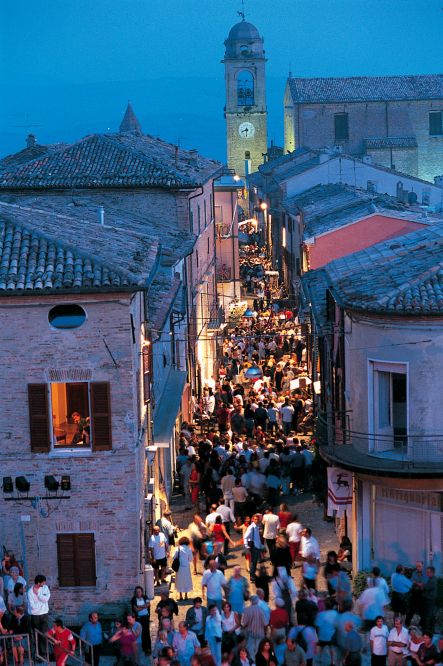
<point x="253" y="372"/>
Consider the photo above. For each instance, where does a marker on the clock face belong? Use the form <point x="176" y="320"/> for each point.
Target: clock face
<point x="246" y="131"/>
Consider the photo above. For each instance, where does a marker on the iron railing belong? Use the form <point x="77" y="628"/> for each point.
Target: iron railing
<point x="412" y="448"/>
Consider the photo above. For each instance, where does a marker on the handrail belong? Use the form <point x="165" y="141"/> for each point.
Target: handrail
<point x="5" y="649"/>
<point x="409" y="448"/>
<point x="83" y="646"/>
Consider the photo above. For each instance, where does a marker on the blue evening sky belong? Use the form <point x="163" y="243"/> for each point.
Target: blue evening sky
<point x="70" y="67"/>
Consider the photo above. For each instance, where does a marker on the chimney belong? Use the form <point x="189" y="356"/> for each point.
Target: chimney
<point x="30" y="140"/>
<point x="101" y="214"/>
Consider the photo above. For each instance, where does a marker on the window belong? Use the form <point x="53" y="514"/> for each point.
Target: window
<point x="245" y="88"/>
<point x="196" y="257"/>
<point x="389" y="417"/>
<point x="198" y="217"/>
<point x="206" y="213"/>
<point x="341" y="127"/>
<point x="191" y="220"/>
<point x="208" y="244"/>
<point x="211" y="207"/>
<point x="76" y="560"/>
<point x="244" y="50"/>
<point x="73" y="415"/>
<point x="247" y="155"/>
<point x="435" y="123"/>
<point x="67" y="316"/>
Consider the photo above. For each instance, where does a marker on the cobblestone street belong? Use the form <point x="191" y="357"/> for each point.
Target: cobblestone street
<point x="310" y="515"/>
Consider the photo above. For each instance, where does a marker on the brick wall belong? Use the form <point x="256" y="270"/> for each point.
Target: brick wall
<point x="107" y="487"/>
<point x="313" y="127"/>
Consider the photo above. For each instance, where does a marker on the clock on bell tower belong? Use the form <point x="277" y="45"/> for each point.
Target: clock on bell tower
<point x="245" y="110"/>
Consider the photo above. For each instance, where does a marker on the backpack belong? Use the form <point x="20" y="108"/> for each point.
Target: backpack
<point x="286" y="596"/>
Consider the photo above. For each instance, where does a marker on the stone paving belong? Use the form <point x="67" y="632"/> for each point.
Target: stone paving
<point x="310" y="515"/>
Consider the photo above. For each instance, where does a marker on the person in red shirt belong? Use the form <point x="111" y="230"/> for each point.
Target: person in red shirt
<point x="63" y="641"/>
<point x="285" y="516"/>
<point x="279" y="620"/>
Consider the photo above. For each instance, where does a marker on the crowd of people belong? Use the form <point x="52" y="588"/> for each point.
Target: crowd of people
<point x="240" y="470"/>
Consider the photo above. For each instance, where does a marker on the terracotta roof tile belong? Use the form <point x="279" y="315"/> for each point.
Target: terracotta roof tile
<point x="366" y="88"/>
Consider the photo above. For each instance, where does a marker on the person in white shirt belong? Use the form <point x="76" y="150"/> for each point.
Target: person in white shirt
<point x="227" y="483"/>
<point x="158" y="547"/>
<point x="271" y="525"/>
<point x="371" y="602"/>
<point x="376" y="580"/>
<point x="253" y="544"/>
<point x="211" y="517"/>
<point x="378" y="640"/>
<point x="286" y="412"/>
<point x="214" y="582"/>
<point x="38" y="608"/>
<point x="227" y="518"/>
<point x="398" y="640"/>
<point x="293" y="532"/>
<point x="309" y="544"/>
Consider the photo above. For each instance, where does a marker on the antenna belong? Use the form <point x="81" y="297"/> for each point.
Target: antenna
<point x="27" y="124"/>
<point x="290" y="70"/>
<point x="242" y="13"/>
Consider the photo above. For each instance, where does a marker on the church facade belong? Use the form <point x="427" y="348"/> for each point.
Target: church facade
<point x="245" y="110"/>
<point x="395" y="121"/>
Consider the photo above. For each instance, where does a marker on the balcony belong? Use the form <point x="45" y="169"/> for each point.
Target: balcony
<point x="406" y="456"/>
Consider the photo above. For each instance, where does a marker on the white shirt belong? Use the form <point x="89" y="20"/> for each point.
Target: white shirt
<point x="309" y="546"/>
<point x="286" y="413"/>
<point x="252" y="534"/>
<point x="271" y="524"/>
<point x="371" y="602"/>
<point x="402" y="637"/>
<point x="214" y="581"/>
<point x="379" y="638"/>
<point x="38" y="602"/>
<point x="293" y="532"/>
<point x="226" y="513"/>
<point x="158" y="544"/>
<point x="211" y="517"/>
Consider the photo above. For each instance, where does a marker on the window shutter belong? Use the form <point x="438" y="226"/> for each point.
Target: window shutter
<point x="85" y="559"/>
<point x="76" y="560"/>
<point x="101" y="416"/>
<point x="39" y="418"/>
<point x="146" y="376"/>
<point x="66" y="560"/>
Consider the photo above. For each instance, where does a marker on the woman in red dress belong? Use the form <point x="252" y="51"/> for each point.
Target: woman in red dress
<point x="194" y="485"/>
<point x="285" y="516"/>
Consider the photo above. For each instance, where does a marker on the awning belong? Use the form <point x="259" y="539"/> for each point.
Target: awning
<point x="168" y="408"/>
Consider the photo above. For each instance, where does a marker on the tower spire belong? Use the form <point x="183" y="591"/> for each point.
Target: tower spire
<point x="130" y="121"/>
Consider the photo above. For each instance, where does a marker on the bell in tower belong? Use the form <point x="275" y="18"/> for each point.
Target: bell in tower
<point x="245" y="110"/>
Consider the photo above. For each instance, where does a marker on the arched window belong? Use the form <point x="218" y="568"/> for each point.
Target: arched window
<point x="245" y="88"/>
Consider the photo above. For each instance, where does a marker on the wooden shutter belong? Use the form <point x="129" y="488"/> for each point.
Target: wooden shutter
<point x="66" y="560"/>
<point x="76" y="560"/>
<point x="101" y="416"/>
<point x="39" y="418"/>
<point x="146" y="376"/>
<point x="85" y="559"/>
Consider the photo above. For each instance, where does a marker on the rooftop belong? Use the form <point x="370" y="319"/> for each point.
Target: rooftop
<point x="128" y="159"/>
<point x="366" y="88"/>
<point x="84" y="208"/>
<point x="39" y="250"/>
<point x="329" y="207"/>
<point x="401" y="276"/>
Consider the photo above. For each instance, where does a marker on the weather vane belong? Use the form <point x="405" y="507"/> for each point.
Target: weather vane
<point x="242" y="13"/>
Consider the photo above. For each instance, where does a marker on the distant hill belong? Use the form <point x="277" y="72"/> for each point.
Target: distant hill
<point x="189" y="110"/>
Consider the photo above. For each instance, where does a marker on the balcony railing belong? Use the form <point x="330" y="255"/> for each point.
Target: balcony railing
<point x="411" y="449"/>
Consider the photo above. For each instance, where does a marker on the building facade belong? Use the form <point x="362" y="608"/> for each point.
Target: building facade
<point x="71" y="343"/>
<point x="245" y="109"/>
<point x="376" y="323"/>
<point x="395" y="120"/>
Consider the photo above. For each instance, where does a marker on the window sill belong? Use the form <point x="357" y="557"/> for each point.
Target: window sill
<point x="64" y="453"/>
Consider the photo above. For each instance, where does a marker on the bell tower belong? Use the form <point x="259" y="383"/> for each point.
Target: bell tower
<point x="245" y="110"/>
